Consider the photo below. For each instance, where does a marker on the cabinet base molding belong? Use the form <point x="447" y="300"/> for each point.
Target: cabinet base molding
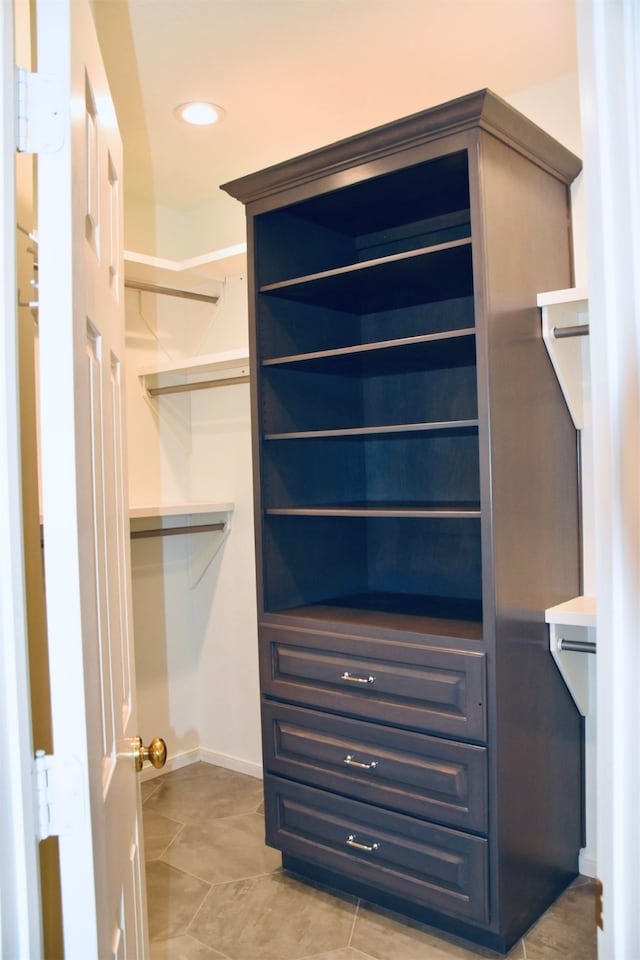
<point x="475" y="936"/>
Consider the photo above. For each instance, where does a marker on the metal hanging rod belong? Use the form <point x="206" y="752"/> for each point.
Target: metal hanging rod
<point x="577" y="330"/>
<point x="576" y="646"/>
<point x="175" y="531"/>
<point x="198" y="385"/>
<point x="28" y="233"/>
<point x="170" y="291"/>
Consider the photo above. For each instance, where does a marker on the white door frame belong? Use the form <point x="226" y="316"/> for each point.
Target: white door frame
<point x="609" y="50"/>
<point x="20" y="923"/>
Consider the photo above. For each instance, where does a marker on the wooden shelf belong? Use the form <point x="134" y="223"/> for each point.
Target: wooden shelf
<point x="435" y="616"/>
<point x="418" y="510"/>
<point x="418" y="276"/>
<point x="563" y="309"/>
<point x="445" y="428"/>
<point x="197" y="373"/>
<point x="429" y="351"/>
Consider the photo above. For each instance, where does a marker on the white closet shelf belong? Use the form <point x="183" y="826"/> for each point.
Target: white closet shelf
<point x="179" y="510"/>
<point x="186" y="519"/>
<point x="578" y="612"/>
<point x="196" y="373"/>
<point x="565" y="321"/>
<point x="201" y="277"/>
<point x="571" y="637"/>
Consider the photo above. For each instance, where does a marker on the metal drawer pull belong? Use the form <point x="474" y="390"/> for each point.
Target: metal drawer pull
<point x="367" y="847"/>
<point x="350" y="677"/>
<point x="350" y="759"/>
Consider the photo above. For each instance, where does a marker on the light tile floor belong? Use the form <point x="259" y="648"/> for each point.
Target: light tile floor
<point x="216" y="892"/>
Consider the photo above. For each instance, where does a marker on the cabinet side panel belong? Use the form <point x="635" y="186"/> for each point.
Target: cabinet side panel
<point x="532" y="494"/>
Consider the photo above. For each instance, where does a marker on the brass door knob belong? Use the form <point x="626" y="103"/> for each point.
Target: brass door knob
<point x="155" y="753"/>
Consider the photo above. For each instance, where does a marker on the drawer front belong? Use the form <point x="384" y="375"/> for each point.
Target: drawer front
<point x="408" y="684"/>
<point x="410" y="772"/>
<point x="441" y="869"/>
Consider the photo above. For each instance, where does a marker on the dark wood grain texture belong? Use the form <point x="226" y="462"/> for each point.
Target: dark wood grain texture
<point x="416" y="501"/>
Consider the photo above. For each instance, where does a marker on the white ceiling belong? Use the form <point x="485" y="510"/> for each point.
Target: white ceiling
<point x="293" y="75"/>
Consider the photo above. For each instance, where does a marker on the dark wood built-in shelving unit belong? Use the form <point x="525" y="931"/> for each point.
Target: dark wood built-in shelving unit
<point x="416" y="513"/>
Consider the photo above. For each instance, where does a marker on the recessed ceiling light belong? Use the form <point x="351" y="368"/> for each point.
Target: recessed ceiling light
<point x="199" y="113"/>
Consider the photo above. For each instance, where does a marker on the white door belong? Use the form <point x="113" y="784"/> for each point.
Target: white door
<point x="86" y="535"/>
<point x="19" y="908"/>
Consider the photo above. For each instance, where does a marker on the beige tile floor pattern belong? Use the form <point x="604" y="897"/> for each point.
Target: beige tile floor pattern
<point x="216" y="892"/>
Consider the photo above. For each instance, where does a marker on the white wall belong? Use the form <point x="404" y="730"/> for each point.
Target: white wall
<point x="228" y="690"/>
<point x="196" y="649"/>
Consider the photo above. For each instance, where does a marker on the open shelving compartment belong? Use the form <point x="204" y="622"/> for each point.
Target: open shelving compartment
<point x="368" y="405"/>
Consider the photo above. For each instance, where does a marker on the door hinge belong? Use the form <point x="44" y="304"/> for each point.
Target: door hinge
<point x="58" y="796"/>
<point x="39" y="113"/>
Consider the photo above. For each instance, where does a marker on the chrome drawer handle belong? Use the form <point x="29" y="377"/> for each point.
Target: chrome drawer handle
<point x="350" y="677"/>
<point x="350" y="759"/>
<point x="351" y="841"/>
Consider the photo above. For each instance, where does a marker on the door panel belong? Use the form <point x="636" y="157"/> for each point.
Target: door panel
<point x="85" y="518"/>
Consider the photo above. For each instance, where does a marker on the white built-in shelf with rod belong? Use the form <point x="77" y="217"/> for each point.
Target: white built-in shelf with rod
<point x="565" y="322"/>
<point x="571" y="639"/>
<point x="221" y="369"/>
<point x="198" y="278"/>
<point x="210" y="521"/>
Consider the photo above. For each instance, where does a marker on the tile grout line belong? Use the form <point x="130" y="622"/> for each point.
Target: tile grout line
<point x="353" y="923"/>
<point x="231" y="816"/>
<point x="197" y="911"/>
<point x="220" y="954"/>
<point x="211" y="883"/>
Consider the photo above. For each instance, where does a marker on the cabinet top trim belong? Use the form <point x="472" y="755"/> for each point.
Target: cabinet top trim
<point x="482" y="109"/>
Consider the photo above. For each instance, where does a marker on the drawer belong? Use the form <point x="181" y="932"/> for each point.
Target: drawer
<point x="436" y="867"/>
<point x="410" y="772"/>
<point x="426" y="688"/>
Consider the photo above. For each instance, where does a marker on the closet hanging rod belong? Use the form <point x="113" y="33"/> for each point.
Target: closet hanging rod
<point x="175" y="531"/>
<point x="577" y="330"/>
<point x="576" y="646"/>
<point x="28" y="233"/>
<point x="170" y="291"/>
<point x="198" y="385"/>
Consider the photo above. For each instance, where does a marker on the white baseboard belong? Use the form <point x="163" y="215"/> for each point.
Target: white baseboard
<point x="231" y="763"/>
<point x="201" y="754"/>
<point x="173" y="763"/>
<point x="587" y="863"/>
